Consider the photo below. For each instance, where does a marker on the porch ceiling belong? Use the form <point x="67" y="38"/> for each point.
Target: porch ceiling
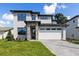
<point x="32" y="22"/>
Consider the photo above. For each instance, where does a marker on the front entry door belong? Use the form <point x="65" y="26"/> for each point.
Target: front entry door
<point x="33" y="32"/>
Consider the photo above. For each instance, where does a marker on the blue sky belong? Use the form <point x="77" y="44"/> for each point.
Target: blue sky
<point x="68" y="9"/>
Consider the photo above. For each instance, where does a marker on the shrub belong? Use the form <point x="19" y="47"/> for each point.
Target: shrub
<point x="9" y="36"/>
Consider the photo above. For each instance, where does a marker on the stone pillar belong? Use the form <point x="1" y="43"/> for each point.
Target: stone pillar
<point x="36" y="31"/>
<point x="28" y="33"/>
<point x="64" y="34"/>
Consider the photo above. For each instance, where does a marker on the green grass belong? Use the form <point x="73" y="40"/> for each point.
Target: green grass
<point x="75" y="41"/>
<point x="23" y="48"/>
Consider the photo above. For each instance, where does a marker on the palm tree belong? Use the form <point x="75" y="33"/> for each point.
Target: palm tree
<point x="61" y="20"/>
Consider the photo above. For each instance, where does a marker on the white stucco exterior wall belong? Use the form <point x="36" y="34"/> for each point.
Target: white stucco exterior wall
<point x="52" y="34"/>
<point x="46" y="21"/>
<point x="17" y="24"/>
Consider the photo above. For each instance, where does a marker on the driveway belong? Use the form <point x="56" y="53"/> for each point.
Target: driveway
<point x="62" y="48"/>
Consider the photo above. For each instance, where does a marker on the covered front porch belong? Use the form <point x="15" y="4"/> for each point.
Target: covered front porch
<point x="32" y="30"/>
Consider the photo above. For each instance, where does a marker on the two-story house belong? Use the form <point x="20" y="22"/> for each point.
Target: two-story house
<point x="35" y="26"/>
<point x="73" y="28"/>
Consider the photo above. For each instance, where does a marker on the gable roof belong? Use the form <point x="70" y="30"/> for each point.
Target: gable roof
<point x="73" y="18"/>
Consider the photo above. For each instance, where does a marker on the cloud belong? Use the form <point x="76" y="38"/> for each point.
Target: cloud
<point x="7" y="16"/>
<point x="62" y="6"/>
<point x="68" y="17"/>
<point x="7" y="19"/>
<point x="50" y="9"/>
<point x="8" y="22"/>
<point x="2" y="23"/>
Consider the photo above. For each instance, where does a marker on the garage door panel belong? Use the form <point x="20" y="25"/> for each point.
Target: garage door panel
<point x="54" y="35"/>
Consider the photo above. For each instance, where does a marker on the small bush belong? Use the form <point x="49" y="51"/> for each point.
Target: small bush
<point x="9" y="36"/>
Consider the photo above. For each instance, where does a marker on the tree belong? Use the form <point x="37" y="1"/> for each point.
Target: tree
<point x="9" y="36"/>
<point x="61" y="20"/>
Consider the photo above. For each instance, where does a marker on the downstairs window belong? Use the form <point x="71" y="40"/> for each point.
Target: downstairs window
<point x="21" y="31"/>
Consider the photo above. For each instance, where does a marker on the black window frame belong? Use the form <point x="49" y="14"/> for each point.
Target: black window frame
<point x="44" y="17"/>
<point x="20" y="29"/>
<point x="33" y="17"/>
<point x="59" y="29"/>
<point x="53" y="28"/>
<point x="48" y="29"/>
<point x="21" y="16"/>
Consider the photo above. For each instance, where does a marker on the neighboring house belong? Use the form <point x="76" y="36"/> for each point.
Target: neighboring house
<point x="4" y="32"/>
<point x="34" y="26"/>
<point x="73" y="28"/>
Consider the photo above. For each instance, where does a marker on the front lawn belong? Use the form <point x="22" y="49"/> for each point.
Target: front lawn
<point x="23" y="48"/>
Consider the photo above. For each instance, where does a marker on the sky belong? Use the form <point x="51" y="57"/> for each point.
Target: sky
<point x="6" y="18"/>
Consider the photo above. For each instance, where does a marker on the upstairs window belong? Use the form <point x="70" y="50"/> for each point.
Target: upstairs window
<point x="33" y="17"/>
<point x="44" y="17"/>
<point x="27" y="14"/>
<point x="21" y="17"/>
<point x="21" y="31"/>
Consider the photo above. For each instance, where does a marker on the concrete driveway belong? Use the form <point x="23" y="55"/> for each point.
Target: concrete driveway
<point x="62" y="48"/>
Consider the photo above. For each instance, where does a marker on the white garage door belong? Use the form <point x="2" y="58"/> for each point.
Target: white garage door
<point x="50" y="34"/>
